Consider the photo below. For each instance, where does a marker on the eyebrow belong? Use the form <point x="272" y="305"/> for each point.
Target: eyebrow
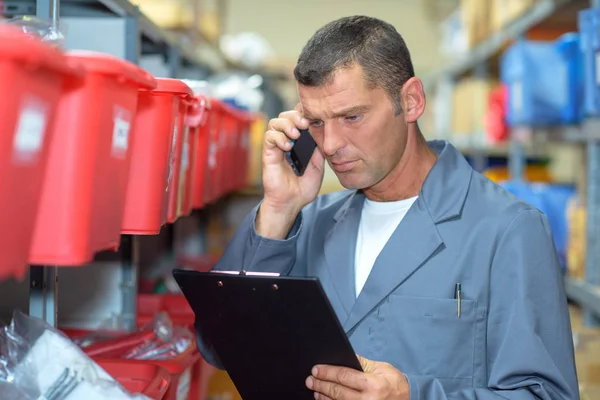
<point x="351" y="110"/>
<point x="348" y="111"/>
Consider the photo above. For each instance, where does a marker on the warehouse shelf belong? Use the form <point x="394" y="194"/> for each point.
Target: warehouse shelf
<point x="525" y="141"/>
<point x="189" y="47"/>
<point x="584" y="294"/>
<point x="538" y="12"/>
<point x="118" y="28"/>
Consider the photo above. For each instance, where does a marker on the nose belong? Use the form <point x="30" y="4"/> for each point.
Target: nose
<point x="332" y="141"/>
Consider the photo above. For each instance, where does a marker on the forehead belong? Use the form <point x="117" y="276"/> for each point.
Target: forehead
<point x="347" y="88"/>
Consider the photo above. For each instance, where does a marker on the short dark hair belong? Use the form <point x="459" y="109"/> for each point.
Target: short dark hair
<point x="373" y="44"/>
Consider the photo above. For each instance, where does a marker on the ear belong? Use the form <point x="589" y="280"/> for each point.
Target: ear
<point x="413" y="99"/>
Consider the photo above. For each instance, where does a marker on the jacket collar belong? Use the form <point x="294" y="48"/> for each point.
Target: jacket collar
<point x="444" y="190"/>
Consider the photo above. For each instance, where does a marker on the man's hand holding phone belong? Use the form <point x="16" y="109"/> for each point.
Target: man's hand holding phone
<point x="285" y="193"/>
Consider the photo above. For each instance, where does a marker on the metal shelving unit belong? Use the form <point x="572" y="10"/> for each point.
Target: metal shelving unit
<point x="115" y="27"/>
<point x="586" y="293"/>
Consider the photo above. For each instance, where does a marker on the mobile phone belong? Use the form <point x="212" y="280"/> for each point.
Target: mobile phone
<point x="302" y="150"/>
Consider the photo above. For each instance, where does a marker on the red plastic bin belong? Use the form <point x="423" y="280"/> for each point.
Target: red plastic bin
<point x="181" y="137"/>
<point x="31" y="76"/>
<point x="181" y="368"/>
<point x="187" y="161"/>
<point x="154" y="147"/>
<point x="199" y="195"/>
<point x="196" y="118"/>
<point x="84" y="190"/>
<point x="180" y="313"/>
<point x="229" y="153"/>
<point x="217" y="157"/>
<point x="140" y="377"/>
<point x="242" y="148"/>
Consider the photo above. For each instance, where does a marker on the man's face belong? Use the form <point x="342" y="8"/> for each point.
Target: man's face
<point x="355" y="128"/>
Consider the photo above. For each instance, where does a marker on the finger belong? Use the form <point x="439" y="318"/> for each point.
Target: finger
<point x="332" y="390"/>
<point x="321" y="396"/>
<point x="286" y="126"/>
<point x="296" y="117"/>
<point x="347" y="377"/>
<point x="277" y="139"/>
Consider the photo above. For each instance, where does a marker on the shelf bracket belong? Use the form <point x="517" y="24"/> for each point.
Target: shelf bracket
<point x="43" y="293"/>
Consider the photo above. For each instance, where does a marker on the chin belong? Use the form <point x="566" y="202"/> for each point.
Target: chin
<point x="352" y="181"/>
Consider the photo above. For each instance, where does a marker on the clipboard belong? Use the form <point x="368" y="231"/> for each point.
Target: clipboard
<point x="267" y="331"/>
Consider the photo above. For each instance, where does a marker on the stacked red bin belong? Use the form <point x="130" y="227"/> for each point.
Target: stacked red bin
<point x="32" y="76"/>
<point x="85" y="185"/>
<point x="156" y="149"/>
<point x="93" y="147"/>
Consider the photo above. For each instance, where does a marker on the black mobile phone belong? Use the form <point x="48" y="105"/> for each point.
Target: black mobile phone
<point x="302" y="150"/>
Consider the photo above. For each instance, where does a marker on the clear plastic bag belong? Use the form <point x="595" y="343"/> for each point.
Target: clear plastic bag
<point x="39" y="362"/>
<point x="158" y="340"/>
<point x="39" y="28"/>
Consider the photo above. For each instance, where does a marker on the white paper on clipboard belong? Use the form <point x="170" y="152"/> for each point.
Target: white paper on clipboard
<point x="248" y="273"/>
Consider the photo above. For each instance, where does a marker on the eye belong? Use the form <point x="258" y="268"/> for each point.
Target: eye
<point x="316" y="124"/>
<point x="353" y="118"/>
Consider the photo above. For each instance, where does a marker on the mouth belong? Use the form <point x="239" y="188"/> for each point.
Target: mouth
<point x="343" y="166"/>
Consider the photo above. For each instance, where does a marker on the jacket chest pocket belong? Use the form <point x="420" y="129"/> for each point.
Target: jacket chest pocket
<point x="425" y="336"/>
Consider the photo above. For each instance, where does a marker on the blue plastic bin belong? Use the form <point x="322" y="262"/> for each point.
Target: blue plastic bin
<point x="552" y="200"/>
<point x="545" y="82"/>
<point x="589" y="30"/>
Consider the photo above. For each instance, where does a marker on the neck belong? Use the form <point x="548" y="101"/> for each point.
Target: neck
<point x="406" y="179"/>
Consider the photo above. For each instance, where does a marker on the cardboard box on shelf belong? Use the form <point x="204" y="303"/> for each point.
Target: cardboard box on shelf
<point x="503" y="12"/>
<point x="167" y="14"/>
<point x="469" y="106"/>
<point x="476" y="19"/>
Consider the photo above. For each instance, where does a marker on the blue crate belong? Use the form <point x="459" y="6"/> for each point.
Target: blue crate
<point x="552" y="200"/>
<point x="545" y="82"/>
<point x="589" y="25"/>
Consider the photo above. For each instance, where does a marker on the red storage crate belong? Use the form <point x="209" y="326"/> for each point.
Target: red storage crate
<point x="188" y="154"/>
<point x="180" y="313"/>
<point x="181" y="137"/>
<point x="219" y="141"/>
<point x="84" y="190"/>
<point x="153" y="157"/>
<point x="181" y="368"/>
<point x="195" y="119"/>
<point x="247" y="120"/>
<point x="199" y="193"/>
<point x="231" y="164"/>
<point x="140" y="377"/>
<point x="32" y="74"/>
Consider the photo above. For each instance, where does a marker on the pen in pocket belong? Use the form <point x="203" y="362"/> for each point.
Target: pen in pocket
<point x="458" y="297"/>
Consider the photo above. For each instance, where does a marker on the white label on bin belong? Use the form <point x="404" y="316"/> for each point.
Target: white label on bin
<point x="212" y="155"/>
<point x="120" y="139"/>
<point x="172" y="154"/>
<point x="30" y="132"/>
<point x="183" y="387"/>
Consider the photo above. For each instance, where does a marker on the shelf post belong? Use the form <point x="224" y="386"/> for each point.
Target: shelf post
<point x="43" y="293"/>
<point x="49" y="10"/>
<point x="174" y="61"/>
<point x="43" y="280"/>
<point x="130" y="244"/>
<point x="129" y="268"/>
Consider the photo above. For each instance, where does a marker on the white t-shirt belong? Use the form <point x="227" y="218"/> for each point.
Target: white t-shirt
<point x="377" y="223"/>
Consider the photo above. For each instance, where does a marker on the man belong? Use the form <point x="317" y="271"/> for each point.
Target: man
<point x="416" y="227"/>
